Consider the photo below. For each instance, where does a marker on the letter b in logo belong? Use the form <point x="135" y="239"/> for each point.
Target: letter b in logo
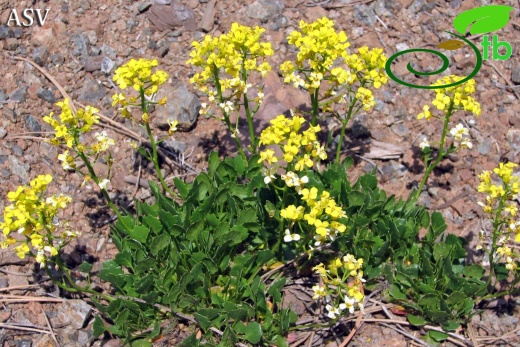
<point x="496" y="46"/>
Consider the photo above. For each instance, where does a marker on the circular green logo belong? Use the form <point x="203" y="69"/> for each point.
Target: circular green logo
<point x="388" y="66"/>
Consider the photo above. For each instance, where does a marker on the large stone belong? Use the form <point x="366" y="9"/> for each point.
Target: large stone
<point x="32" y="124"/>
<point x="46" y="94"/>
<point x="75" y="313"/>
<point x="19" y="169"/>
<point x="170" y="16"/>
<point x="265" y="9"/>
<point x="92" y="92"/>
<point x="182" y="106"/>
<point x="19" y="95"/>
<point x="50" y="35"/>
<point x="515" y="75"/>
<point x="513" y="137"/>
<point x="80" y="45"/>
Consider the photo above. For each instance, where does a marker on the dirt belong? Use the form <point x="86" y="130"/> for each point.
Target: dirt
<point x="77" y="35"/>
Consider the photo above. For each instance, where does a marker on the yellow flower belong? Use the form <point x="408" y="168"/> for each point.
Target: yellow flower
<point x="426" y="114"/>
<point x="366" y="97"/>
<point x="292" y="212"/>
<point x="138" y="74"/>
<point x="268" y="156"/>
<point x="319" y="292"/>
<point x="22" y="250"/>
<point x="173" y="126"/>
<point x="459" y="131"/>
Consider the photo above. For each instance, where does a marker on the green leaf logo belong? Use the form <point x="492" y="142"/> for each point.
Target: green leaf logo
<point x="483" y="19"/>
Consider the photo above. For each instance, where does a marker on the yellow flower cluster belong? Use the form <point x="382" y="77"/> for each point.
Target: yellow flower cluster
<point x="237" y="53"/>
<point x="31" y="215"/>
<point x="320" y="50"/>
<point x="287" y="134"/>
<point x="71" y="125"/>
<point x="458" y="97"/>
<point x="509" y="255"/>
<point x="319" y="45"/>
<point x="345" y="275"/>
<point x="370" y="64"/>
<point x="323" y="215"/>
<point x="508" y="190"/>
<point x="138" y="74"/>
<point x="500" y="202"/>
<point x="323" y="212"/>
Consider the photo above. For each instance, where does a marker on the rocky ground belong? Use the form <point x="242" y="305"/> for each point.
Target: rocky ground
<point x="83" y="41"/>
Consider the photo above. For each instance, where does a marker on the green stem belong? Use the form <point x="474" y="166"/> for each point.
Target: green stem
<point x="72" y="288"/>
<point x="277" y="247"/>
<point x="226" y="116"/>
<point x="155" y="159"/>
<point x="344" y="127"/>
<point x="249" y="116"/>
<point x="442" y="154"/>
<point x="497" y="224"/>
<point x="315" y="106"/>
<point x="493" y="296"/>
<point x="104" y="192"/>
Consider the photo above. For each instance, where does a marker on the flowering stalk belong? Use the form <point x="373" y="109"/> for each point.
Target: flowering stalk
<point x="138" y="74"/>
<point x="69" y="126"/>
<point x="502" y="209"/>
<point x="226" y="114"/>
<point x="316" y="70"/>
<point x="443" y="152"/>
<point x="227" y="62"/>
<point x="344" y="123"/>
<point x="448" y="100"/>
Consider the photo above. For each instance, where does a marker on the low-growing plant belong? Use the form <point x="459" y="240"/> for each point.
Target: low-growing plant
<point x="214" y="251"/>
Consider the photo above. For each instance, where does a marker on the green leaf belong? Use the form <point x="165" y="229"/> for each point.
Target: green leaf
<point x="456" y="299"/>
<point x="347" y="162"/>
<point x="438" y="225"/>
<point x="240" y="164"/>
<point x="451" y="325"/>
<point x="253" y="332"/>
<point x="416" y="320"/>
<point x="159" y="243"/>
<point x="153" y="223"/>
<point x="194" y="230"/>
<point x="437" y="335"/>
<point x="501" y="272"/>
<point x="155" y="332"/>
<point x="368" y="181"/>
<point x="247" y="216"/>
<point x="142" y="343"/>
<point x="474" y="271"/>
<point x="112" y="272"/>
<point x="213" y="162"/>
<point x="396" y="293"/>
<point x="182" y="187"/>
<point x="441" y="250"/>
<point x="190" y="341"/>
<point x="85" y="267"/>
<point x="203" y="321"/>
<point x="144" y="284"/>
<point x="98" y="327"/>
<point x="482" y="19"/>
<point x="276" y="290"/>
<point x="356" y="199"/>
<point x="167" y="219"/>
<point x="237" y="314"/>
<point x="139" y="233"/>
<point x="124" y="258"/>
